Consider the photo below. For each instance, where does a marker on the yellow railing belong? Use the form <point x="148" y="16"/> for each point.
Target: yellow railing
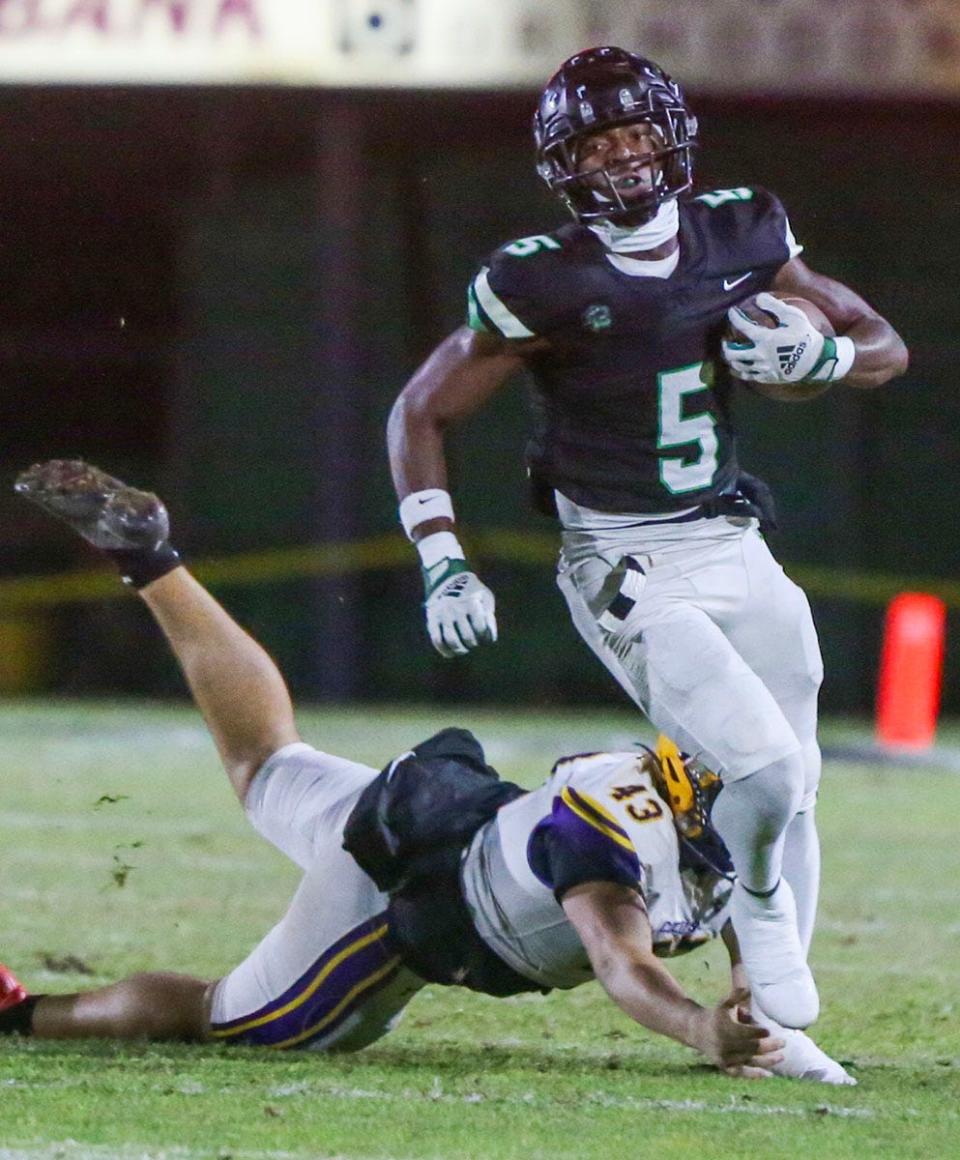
<point x="390" y="551"/>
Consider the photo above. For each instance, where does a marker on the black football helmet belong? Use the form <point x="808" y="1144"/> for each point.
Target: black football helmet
<point x="600" y="89"/>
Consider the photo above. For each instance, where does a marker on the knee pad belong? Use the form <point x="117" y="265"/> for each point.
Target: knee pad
<point x="771" y="797"/>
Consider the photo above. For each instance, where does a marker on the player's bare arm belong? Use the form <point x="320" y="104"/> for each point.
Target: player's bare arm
<point x="456" y="380"/>
<point x="612" y="923"/>
<point x="881" y="354"/>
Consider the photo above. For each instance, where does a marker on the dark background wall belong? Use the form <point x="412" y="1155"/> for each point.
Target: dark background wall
<point x="219" y="293"/>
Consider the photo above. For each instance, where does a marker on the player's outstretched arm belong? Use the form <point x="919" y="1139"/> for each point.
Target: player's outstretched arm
<point x="457" y="379"/>
<point x="612" y="923"/>
<point x="880" y="354"/>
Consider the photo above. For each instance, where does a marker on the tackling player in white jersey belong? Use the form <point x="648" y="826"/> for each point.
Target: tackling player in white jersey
<point x="433" y="870"/>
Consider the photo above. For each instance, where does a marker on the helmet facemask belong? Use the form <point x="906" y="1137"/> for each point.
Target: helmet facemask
<point x="595" y="195"/>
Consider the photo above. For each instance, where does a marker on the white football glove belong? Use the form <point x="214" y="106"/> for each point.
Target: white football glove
<point x="793" y="351"/>
<point x="460" y="610"/>
<point x="802" y="1059"/>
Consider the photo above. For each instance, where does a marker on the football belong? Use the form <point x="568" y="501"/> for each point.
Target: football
<point x="765" y="318"/>
<point x="783" y="392"/>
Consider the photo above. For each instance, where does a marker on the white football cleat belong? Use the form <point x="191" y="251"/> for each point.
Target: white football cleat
<point x="802" y="1059"/>
<point x="776" y="966"/>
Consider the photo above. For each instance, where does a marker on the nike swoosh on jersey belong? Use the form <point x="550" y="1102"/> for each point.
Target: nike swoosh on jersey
<point x="729" y="284"/>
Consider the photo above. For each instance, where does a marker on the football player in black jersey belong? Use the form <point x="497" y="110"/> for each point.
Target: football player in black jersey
<point x="619" y="317"/>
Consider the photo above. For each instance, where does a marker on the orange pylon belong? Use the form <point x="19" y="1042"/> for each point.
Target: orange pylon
<point x="911" y="671"/>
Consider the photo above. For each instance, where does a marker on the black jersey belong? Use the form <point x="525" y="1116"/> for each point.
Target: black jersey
<point x="631" y="398"/>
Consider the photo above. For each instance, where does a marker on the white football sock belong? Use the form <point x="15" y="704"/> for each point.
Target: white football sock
<point x="801" y="868"/>
<point x="773" y="958"/>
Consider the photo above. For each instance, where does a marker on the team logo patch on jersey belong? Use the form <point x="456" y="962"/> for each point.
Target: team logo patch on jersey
<point x="597" y="317"/>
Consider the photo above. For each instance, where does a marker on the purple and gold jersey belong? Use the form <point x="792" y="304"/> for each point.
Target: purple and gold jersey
<point x="631" y="399"/>
<point x="597" y="818"/>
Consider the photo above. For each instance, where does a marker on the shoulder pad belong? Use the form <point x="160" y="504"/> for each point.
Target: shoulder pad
<point x="597" y="769"/>
<point x="611" y="791"/>
<point x="514" y="293"/>
<point x="752" y="217"/>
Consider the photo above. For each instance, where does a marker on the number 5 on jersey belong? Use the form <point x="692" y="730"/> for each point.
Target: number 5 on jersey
<point x="681" y="474"/>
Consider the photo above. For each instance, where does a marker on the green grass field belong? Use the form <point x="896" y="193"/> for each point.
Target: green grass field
<point x="123" y="850"/>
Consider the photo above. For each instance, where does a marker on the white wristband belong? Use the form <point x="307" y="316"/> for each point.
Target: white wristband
<point x="846" y="353"/>
<point x="439" y="546"/>
<point x="420" y="506"/>
<point x="837" y="368"/>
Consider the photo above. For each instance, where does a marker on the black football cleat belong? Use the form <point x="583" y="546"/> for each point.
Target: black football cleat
<point x="106" y="512"/>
